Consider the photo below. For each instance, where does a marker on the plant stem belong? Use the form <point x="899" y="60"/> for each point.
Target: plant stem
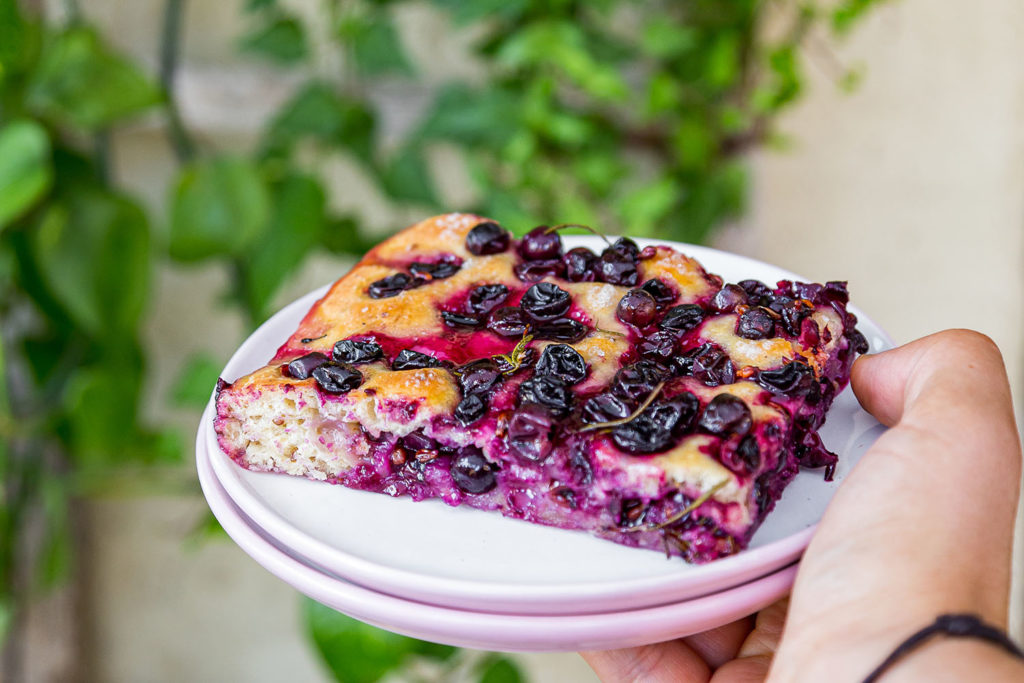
<point x="182" y="144"/>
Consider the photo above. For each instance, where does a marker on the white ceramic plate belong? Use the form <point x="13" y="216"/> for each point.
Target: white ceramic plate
<point x="476" y="560"/>
<point x="483" y="630"/>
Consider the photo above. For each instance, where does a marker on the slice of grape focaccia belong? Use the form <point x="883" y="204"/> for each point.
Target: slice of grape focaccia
<point x="629" y="394"/>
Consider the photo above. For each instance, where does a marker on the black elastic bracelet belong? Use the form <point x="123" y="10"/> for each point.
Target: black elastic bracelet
<point x="955" y="625"/>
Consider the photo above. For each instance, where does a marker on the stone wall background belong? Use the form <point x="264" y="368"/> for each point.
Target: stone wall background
<point x="912" y="188"/>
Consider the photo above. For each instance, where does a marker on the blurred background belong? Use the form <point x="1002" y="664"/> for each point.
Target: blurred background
<point x="173" y="172"/>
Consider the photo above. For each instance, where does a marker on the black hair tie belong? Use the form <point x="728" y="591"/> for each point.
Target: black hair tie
<point x="954" y="625"/>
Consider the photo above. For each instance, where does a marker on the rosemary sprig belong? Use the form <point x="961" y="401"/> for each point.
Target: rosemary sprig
<point x="682" y="513"/>
<point x="629" y="418"/>
<point x="555" y="228"/>
<point x="515" y="359"/>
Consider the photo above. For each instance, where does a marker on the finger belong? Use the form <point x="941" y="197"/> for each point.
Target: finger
<point x="891" y="383"/>
<point x="673" y="661"/>
<point x="764" y="639"/>
<point x="720" y="645"/>
<point x="754" y="657"/>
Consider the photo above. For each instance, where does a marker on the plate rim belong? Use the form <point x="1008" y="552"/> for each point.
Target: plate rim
<point x="522" y="598"/>
<point x="488" y="630"/>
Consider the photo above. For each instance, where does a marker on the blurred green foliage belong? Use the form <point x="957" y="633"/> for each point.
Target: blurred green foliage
<point x="634" y="117"/>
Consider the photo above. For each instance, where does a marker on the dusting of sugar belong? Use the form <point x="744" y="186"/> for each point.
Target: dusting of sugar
<point x="602" y="297"/>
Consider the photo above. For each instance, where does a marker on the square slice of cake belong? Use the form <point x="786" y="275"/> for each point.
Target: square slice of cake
<point x="629" y="394"/>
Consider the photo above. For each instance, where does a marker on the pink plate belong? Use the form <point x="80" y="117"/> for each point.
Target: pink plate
<point x="488" y="631"/>
<point x="475" y="560"/>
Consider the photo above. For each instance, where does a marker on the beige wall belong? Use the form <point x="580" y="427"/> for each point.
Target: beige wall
<point x="912" y="188"/>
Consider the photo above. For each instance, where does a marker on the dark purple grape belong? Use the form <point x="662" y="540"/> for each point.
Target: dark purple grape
<point x="604" y="408"/>
<point x="487" y="238"/>
<point x="579" y="464"/>
<point x="616" y="269"/>
<point x="355" y="352"/>
<point x="857" y="341"/>
<point x="534" y="271"/>
<point x="749" y="453"/>
<point x="529" y="433"/>
<point x="757" y="291"/>
<point x="632" y="512"/>
<point x="793" y="312"/>
<point x="811" y="452"/>
<point x="408" y="359"/>
<point x="726" y="414"/>
<point x="637" y="307"/>
<point x="659" y="347"/>
<point x="562" y="330"/>
<point x="457" y="320"/>
<point x="418" y="442"/>
<point x="728" y="298"/>
<point x="471" y="471"/>
<point x="636" y="381"/>
<point x="479" y="377"/>
<point x="713" y="367"/>
<point x="580" y="265"/>
<point x="302" y="368"/>
<point x="656" y="427"/>
<point x="393" y="285"/>
<point x="485" y="298"/>
<point x="625" y="247"/>
<point x="662" y="293"/>
<point x="682" y="365"/>
<point x="470" y="409"/>
<point x="434" y="271"/>
<point x="563" y="362"/>
<point x="545" y="301"/>
<point x="682" y="318"/>
<point x="792" y="379"/>
<point x="337" y="379"/>
<point x="550" y="393"/>
<point x="539" y="244"/>
<point x="508" y="322"/>
<point x="836" y="291"/>
<point x="756" y="323"/>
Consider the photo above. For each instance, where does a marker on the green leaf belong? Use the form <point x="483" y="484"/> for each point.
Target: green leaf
<point x="92" y="251"/>
<point x="56" y="552"/>
<point x="499" y="669"/>
<point x="642" y="209"/>
<point x="406" y="177"/>
<point x="464" y="12"/>
<point x="19" y="41"/>
<point x="295" y="226"/>
<point x="219" y="207"/>
<point x="6" y="616"/>
<point x="25" y="168"/>
<point x="281" y="40"/>
<point x="80" y="82"/>
<point x="258" y="5"/>
<point x="101" y="406"/>
<point x="376" y="46"/>
<point x="693" y="143"/>
<point x="342" y="236"/>
<point x="196" y="381"/>
<point x="318" y="112"/>
<point x="561" y="46"/>
<point x="666" y="39"/>
<point x="847" y="13"/>
<point x="205" y="530"/>
<point x="356" y="652"/>
<point x="487" y="117"/>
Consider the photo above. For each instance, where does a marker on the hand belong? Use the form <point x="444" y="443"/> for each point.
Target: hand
<point x="923" y="525"/>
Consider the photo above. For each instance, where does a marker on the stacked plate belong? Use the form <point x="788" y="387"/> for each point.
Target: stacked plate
<point x="475" y="579"/>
